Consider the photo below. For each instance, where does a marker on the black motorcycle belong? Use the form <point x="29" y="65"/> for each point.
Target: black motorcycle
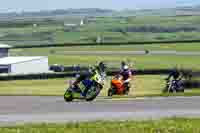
<point x="174" y="86"/>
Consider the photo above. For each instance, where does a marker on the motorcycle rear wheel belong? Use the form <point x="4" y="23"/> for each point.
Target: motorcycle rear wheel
<point x="110" y="92"/>
<point x="92" y="93"/>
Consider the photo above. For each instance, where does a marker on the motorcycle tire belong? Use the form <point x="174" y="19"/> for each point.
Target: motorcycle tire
<point x="181" y="90"/>
<point x="110" y="92"/>
<point x="126" y="92"/>
<point x="68" y="97"/>
<point x="172" y="90"/>
<point x="165" y="90"/>
<point x="92" y="93"/>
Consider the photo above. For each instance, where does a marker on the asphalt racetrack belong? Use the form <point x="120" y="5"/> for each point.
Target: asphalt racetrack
<point x="26" y="109"/>
<point x="142" y="52"/>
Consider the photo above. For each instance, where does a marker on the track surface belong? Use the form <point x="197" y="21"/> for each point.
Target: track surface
<point x="164" y="52"/>
<point x="18" y="109"/>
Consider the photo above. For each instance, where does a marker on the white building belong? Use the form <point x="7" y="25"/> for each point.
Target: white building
<point x="24" y="65"/>
<point x="82" y="22"/>
<point x="70" y="25"/>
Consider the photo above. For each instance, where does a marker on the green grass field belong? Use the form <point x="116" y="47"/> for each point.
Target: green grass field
<point x="141" y="85"/>
<point x="141" y="62"/>
<point x="148" y="85"/>
<point x="122" y="47"/>
<point x="173" y="125"/>
<point x="110" y="28"/>
<point x="57" y="55"/>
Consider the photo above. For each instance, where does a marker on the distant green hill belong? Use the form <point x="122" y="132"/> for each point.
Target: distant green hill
<point x="184" y="10"/>
<point x="188" y="10"/>
<point x="65" y="12"/>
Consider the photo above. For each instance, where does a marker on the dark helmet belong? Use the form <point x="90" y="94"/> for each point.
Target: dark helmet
<point x="123" y="63"/>
<point x="101" y="66"/>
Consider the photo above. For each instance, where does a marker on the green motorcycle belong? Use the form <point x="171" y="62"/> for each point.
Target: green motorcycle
<point x="92" y="87"/>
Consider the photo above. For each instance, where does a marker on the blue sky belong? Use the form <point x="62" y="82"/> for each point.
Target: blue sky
<point x="34" y="5"/>
<point x="188" y="2"/>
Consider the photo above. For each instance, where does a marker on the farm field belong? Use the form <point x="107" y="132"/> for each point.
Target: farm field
<point x="110" y="29"/>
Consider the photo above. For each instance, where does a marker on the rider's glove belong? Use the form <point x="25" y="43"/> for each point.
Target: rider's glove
<point x="127" y="81"/>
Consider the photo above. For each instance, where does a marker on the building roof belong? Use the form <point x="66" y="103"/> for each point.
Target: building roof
<point x="4" y="46"/>
<point x="16" y="60"/>
<point x="70" y="25"/>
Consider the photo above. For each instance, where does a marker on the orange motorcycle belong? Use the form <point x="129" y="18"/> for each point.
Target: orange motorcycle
<point x="117" y="86"/>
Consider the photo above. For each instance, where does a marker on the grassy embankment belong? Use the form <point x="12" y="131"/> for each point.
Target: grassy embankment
<point x="173" y="125"/>
<point x="57" y="55"/>
<point x="141" y="86"/>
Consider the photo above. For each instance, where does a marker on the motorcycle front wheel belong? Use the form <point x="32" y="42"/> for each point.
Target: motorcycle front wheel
<point x="68" y="96"/>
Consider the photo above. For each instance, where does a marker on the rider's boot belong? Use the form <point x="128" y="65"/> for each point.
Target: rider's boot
<point x="127" y="87"/>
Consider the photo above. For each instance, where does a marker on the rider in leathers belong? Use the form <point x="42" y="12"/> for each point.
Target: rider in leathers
<point x="85" y="78"/>
<point x="127" y="75"/>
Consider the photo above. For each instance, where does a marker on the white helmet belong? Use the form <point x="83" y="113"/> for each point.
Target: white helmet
<point x="125" y="67"/>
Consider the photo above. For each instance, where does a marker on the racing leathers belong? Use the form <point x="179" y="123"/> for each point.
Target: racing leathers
<point x="83" y="82"/>
<point x="176" y="76"/>
<point x="126" y="74"/>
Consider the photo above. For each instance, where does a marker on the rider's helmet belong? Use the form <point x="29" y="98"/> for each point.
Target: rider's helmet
<point x="123" y="63"/>
<point x="125" y="68"/>
<point x="97" y="68"/>
<point x="101" y="66"/>
<point x="91" y="69"/>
